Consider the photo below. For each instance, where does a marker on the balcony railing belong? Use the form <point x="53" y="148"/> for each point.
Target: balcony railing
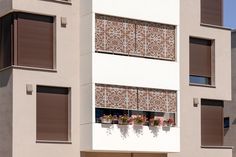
<point x="131" y="105"/>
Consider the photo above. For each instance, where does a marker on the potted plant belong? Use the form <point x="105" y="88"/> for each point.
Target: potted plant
<point x="154" y="122"/>
<point x="106" y="119"/>
<point x="124" y="120"/>
<point x="168" y="122"/>
<point x="139" y="119"/>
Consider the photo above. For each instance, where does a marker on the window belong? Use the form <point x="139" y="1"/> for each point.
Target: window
<point x="26" y="40"/>
<point x="53" y="113"/>
<point x="212" y="122"/>
<point x="201" y="59"/>
<point x="226" y="122"/>
<point x="212" y="12"/>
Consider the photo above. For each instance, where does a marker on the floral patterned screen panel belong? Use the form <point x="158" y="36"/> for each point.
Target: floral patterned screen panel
<point x="131" y="98"/>
<point x="134" y="38"/>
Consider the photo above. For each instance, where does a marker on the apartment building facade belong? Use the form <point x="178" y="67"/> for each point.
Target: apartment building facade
<point x="109" y="78"/>
<point x="229" y="116"/>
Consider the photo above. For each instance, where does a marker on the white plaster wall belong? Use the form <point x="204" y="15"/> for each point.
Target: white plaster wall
<point x="135" y="139"/>
<point x="133" y="71"/>
<point x="163" y="11"/>
<point x="124" y="70"/>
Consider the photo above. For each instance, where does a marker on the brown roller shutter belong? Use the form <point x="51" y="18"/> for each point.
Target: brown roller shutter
<point x="200" y="57"/>
<point x="212" y="123"/>
<point x="35" y="40"/>
<point x="212" y="12"/>
<point x="52" y="113"/>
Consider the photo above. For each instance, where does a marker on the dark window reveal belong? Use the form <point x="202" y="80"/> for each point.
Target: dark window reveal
<point x="200" y="61"/>
<point x="52" y="113"/>
<point x="26" y="40"/>
<point x="212" y="122"/>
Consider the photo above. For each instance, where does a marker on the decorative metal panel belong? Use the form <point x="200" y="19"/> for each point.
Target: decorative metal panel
<point x="142" y="99"/>
<point x="155" y="41"/>
<point x="116" y="97"/>
<point x="114" y="34"/>
<point x="157" y="100"/>
<point x="170" y="42"/>
<point x="172" y="101"/>
<point x="135" y="38"/>
<point x="100" y="32"/>
<point x="140" y="39"/>
<point x="100" y="96"/>
<point x="132" y="98"/>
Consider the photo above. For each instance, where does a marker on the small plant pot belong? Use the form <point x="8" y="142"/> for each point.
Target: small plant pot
<point x="120" y="122"/>
<point x="106" y="121"/>
<point x="138" y="124"/>
<point x="152" y="124"/>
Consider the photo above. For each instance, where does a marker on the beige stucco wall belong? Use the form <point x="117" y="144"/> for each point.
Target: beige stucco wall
<point x="66" y="74"/>
<point x="5" y="7"/>
<point x="6" y="113"/>
<point x="230" y="106"/>
<point x="190" y="115"/>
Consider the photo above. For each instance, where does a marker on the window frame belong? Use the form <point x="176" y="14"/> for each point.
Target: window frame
<point x="211" y="79"/>
<point x="69" y="118"/>
<point x="14" y="41"/>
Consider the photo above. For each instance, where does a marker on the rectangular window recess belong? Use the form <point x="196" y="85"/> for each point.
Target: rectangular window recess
<point x="226" y="122"/>
<point x="53" y="114"/>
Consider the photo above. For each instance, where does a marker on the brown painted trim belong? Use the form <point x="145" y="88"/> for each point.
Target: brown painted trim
<point x="217" y="147"/>
<point x="215" y="26"/>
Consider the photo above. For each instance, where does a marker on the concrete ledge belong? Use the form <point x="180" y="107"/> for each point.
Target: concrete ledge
<point x="215" y="26"/>
<point x="60" y="1"/>
<point x="217" y="147"/>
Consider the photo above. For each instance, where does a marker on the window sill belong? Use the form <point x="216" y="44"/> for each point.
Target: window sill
<point x="33" y="68"/>
<point x="53" y="142"/>
<point x="201" y="85"/>
<point x="215" y="26"/>
<point x="60" y="1"/>
<point x="217" y="147"/>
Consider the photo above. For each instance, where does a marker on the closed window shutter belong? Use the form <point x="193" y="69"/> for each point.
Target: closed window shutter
<point x="211" y="122"/>
<point x="200" y="57"/>
<point x="212" y="12"/>
<point x="35" y="40"/>
<point x="52" y="113"/>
